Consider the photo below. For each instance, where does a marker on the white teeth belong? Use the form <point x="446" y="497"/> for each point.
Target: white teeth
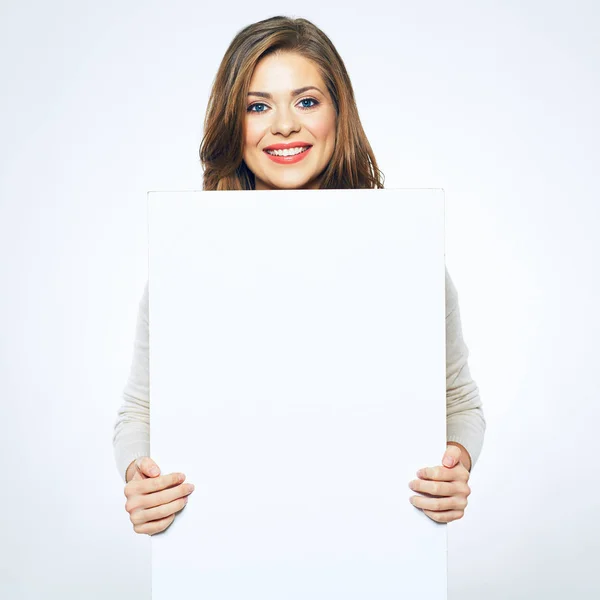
<point x="287" y="151"/>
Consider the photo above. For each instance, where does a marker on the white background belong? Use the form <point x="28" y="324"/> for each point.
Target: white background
<point x="494" y="102"/>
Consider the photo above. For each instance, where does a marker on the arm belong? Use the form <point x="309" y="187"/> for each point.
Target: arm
<point x="131" y="435"/>
<point x="465" y="422"/>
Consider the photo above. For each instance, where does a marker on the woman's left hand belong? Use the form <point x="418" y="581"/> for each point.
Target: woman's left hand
<point x="446" y="487"/>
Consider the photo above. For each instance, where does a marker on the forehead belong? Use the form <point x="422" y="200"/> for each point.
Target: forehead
<point x="284" y="71"/>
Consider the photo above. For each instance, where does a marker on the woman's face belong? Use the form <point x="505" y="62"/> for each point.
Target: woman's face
<point x="280" y="111"/>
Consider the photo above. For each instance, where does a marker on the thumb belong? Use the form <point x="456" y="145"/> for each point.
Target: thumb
<point x="147" y="466"/>
<point x="451" y="456"/>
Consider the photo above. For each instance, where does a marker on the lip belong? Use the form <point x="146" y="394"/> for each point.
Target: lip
<point x="299" y="144"/>
<point x="287" y="160"/>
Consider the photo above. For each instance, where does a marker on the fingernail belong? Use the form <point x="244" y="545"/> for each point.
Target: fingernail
<point x="153" y="471"/>
<point x="448" y="461"/>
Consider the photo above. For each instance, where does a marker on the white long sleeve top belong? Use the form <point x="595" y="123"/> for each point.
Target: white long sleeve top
<point x="465" y="422"/>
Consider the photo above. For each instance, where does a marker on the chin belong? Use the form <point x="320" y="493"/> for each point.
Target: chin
<point x="288" y="183"/>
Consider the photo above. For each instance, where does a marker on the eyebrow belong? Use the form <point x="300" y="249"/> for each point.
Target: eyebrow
<point x="292" y="93"/>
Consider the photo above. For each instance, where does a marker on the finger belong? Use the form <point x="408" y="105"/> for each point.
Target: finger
<point x="149" y="486"/>
<point x="436" y="504"/>
<point x="153" y="527"/>
<point x="441" y="473"/>
<point x="139" y="501"/>
<point x="166" y="496"/>
<point x="451" y="456"/>
<point x="439" y="488"/>
<point x="160" y="512"/>
<point x="445" y="516"/>
<point x="147" y="467"/>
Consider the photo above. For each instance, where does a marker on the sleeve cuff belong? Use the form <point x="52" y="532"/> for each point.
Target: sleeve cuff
<point x="471" y="441"/>
<point x="128" y="452"/>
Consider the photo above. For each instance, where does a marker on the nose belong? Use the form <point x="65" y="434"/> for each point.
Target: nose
<point x="285" y="121"/>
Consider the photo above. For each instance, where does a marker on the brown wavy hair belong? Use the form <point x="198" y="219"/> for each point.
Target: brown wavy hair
<point x="352" y="164"/>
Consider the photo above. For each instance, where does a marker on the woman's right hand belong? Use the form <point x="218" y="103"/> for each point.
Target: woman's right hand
<point x="153" y="499"/>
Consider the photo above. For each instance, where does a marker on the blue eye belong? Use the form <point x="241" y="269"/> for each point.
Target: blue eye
<point x="252" y="106"/>
<point x="257" y="104"/>
<point x="309" y="100"/>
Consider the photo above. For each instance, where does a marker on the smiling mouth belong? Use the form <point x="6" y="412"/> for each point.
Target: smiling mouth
<point x="289" y="157"/>
<point x="288" y="151"/>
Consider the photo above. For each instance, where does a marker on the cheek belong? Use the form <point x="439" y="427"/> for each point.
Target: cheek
<point x="252" y="134"/>
<point x="323" y="126"/>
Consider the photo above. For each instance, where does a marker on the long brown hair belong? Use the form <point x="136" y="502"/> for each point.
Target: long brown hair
<point x="352" y="164"/>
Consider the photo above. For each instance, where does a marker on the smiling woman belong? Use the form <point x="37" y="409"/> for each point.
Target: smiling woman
<point x="282" y="88"/>
<point x="282" y="115"/>
<point x="291" y="127"/>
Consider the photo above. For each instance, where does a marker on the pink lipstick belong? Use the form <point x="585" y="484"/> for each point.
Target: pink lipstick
<point x="287" y="160"/>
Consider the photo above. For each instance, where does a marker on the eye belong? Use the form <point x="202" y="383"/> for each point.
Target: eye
<point x="309" y="100"/>
<point x="264" y="106"/>
<point x="256" y="104"/>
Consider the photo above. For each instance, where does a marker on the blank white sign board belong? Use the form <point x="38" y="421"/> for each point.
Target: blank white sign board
<point x="298" y="379"/>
